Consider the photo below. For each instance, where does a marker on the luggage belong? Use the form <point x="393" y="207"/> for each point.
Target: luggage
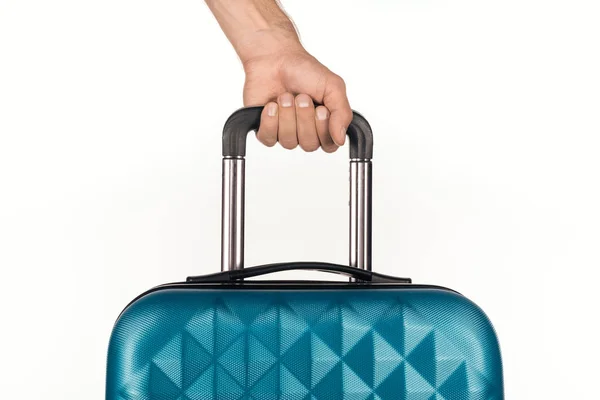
<point x="374" y="337"/>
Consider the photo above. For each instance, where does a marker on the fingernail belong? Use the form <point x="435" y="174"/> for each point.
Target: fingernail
<point x="322" y="113"/>
<point x="286" y="100"/>
<point x="272" y="110"/>
<point x="302" y="101"/>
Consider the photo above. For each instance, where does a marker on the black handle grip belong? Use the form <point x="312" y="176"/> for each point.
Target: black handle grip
<point x="239" y="274"/>
<point x="247" y="119"/>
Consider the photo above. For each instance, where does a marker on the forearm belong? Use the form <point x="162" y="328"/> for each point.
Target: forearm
<point x="254" y="27"/>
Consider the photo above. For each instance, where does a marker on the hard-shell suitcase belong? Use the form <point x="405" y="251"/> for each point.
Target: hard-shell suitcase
<point x="373" y="337"/>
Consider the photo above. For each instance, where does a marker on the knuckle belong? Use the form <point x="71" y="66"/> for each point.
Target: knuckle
<point x="288" y="145"/>
<point x="329" y="148"/>
<point x="339" y="82"/>
<point x="344" y="115"/>
<point x="288" y="141"/>
<point x="267" y="140"/>
<point x="347" y="116"/>
<point x="310" y="146"/>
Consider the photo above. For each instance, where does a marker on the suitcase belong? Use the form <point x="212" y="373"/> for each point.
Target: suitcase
<point x="376" y="337"/>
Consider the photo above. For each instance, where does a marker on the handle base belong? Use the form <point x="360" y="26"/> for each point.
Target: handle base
<point x="359" y="275"/>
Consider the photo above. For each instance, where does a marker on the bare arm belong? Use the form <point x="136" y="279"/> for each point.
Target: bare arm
<point x="254" y="26"/>
<point x="282" y="75"/>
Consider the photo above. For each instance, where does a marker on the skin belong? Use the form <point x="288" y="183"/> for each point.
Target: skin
<point x="284" y="77"/>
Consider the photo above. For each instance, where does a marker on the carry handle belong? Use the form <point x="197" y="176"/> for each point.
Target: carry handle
<point x="233" y="190"/>
<point x="247" y="119"/>
<point x="355" y="273"/>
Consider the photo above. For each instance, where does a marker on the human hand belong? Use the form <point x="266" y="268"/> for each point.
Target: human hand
<point x="284" y="77"/>
<point x="288" y="80"/>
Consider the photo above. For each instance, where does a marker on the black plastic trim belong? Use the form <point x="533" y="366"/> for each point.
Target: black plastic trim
<point x="356" y="273"/>
<point x="247" y="119"/>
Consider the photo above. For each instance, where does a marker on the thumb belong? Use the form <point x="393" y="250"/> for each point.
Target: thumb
<point x="336" y="101"/>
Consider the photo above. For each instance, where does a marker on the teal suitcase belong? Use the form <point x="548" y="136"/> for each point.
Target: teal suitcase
<point x="373" y="337"/>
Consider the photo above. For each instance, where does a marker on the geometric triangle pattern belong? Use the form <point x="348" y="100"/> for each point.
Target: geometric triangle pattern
<point x="367" y="344"/>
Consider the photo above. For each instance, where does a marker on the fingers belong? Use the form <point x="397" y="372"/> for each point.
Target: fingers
<point x="336" y="101"/>
<point x="269" y="123"/>
<point x="305" y="123"/>
<point x="295" y="121"/>
<point x="322" y="125"/>
<point x="287" y="121"/>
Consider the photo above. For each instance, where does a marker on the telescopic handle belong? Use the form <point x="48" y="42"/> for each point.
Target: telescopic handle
<point x="235" y="132"/>
<point x="247" y="119"/>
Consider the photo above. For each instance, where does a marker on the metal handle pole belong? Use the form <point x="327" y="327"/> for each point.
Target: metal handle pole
<point x="232" y="227"/>
<point x="360" y="213"/>
<point x="232" y="213"/>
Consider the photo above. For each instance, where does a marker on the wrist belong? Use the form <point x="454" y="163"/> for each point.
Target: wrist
<point x="268" y="43"/>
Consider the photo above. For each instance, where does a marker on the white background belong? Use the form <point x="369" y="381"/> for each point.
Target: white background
<point x="486" y="117"/>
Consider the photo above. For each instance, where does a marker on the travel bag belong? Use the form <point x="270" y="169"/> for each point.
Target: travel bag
<point x="373" y="337"/>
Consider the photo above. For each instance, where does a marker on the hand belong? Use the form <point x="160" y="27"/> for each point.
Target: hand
<point x="288" y="80"/>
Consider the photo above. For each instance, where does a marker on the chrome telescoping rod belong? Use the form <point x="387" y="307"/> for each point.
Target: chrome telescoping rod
<point x="360" y="213"/>
<point x="232" y="214"/>
<point x="232" y="217"/>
